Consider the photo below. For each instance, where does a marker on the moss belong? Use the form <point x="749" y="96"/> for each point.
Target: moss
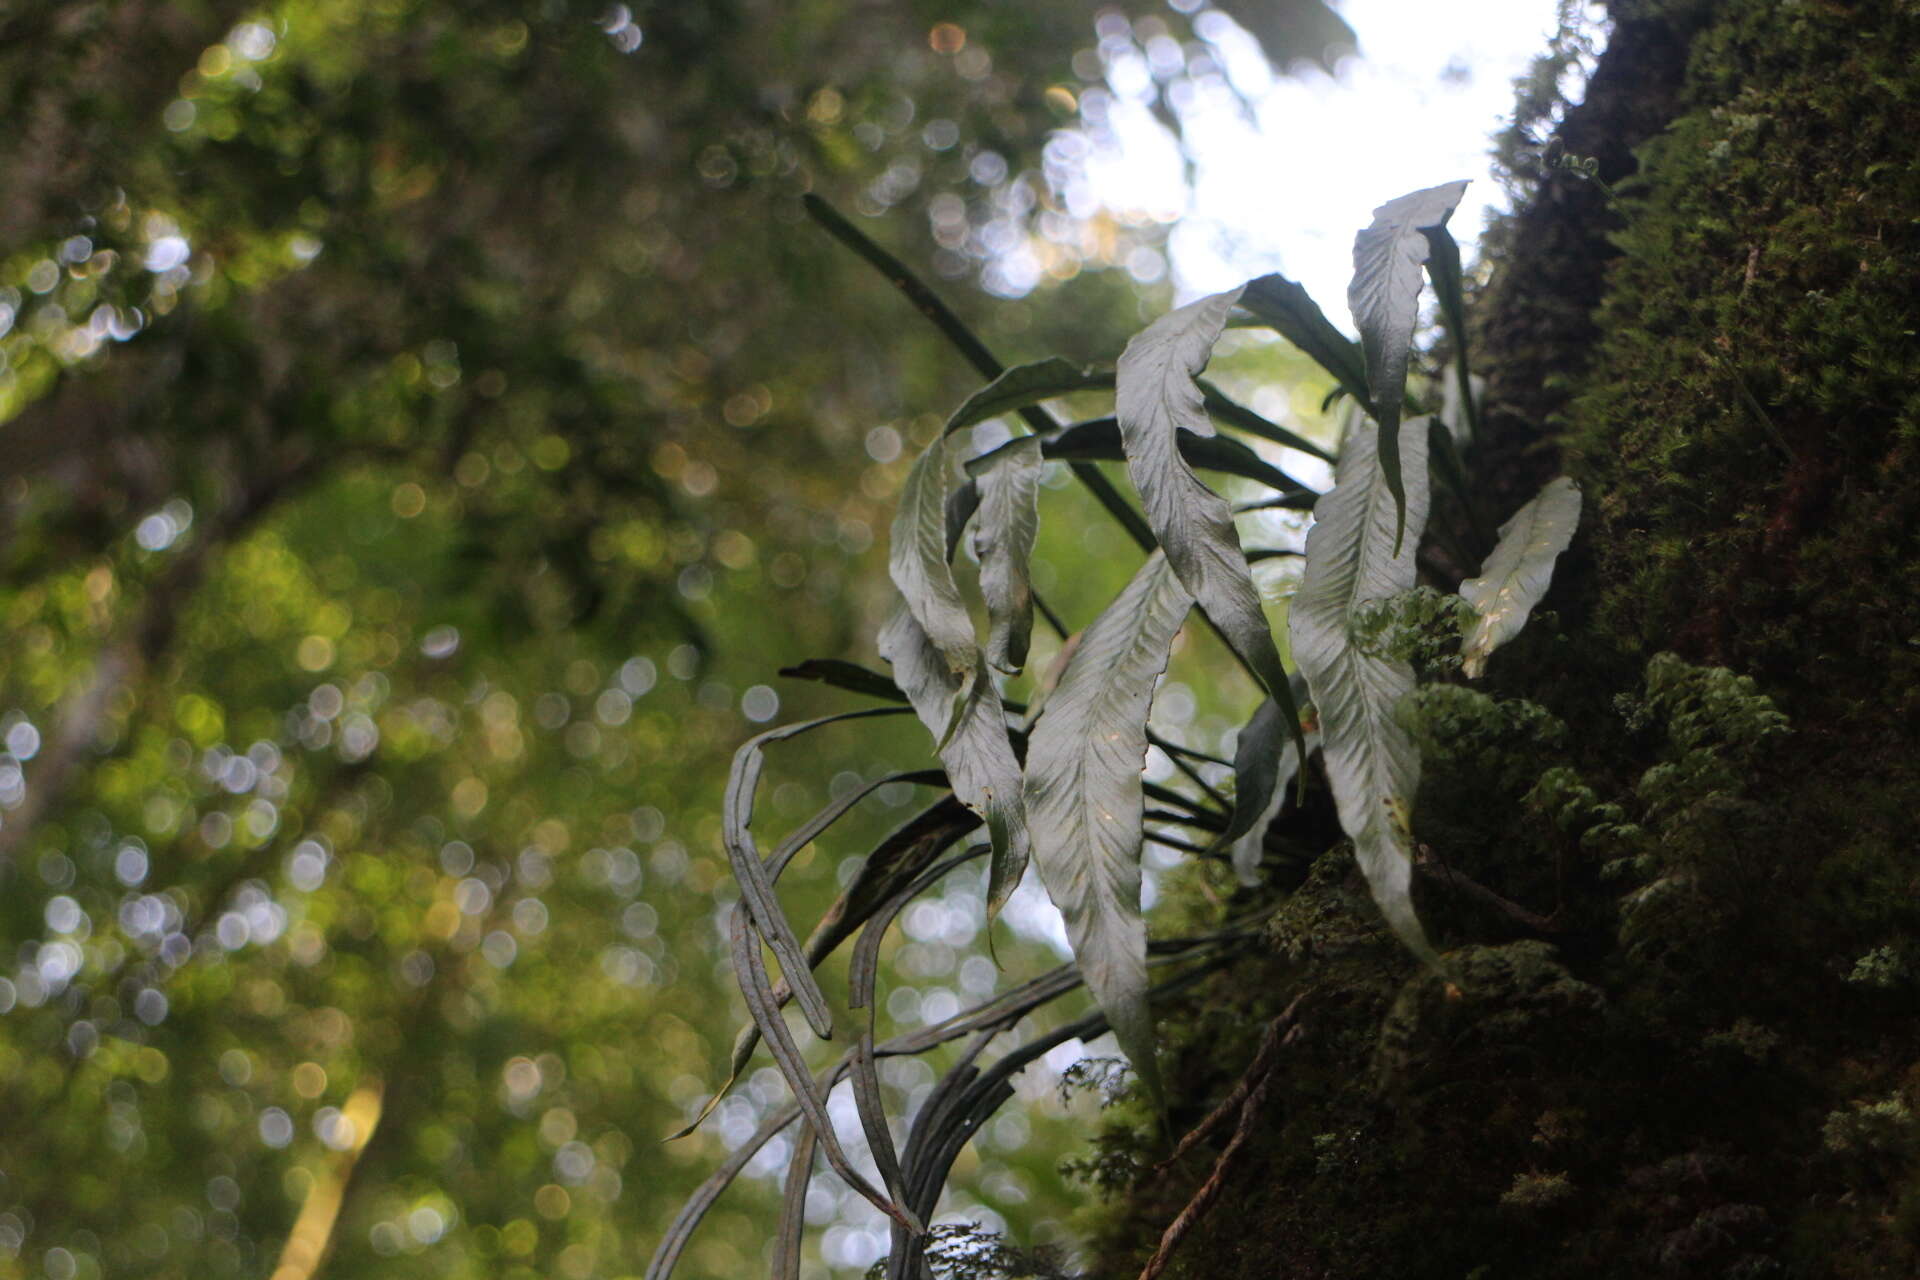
<point x="1703" y="776"/>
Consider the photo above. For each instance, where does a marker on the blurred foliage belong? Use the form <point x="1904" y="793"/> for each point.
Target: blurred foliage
<point x="426" y="424"/>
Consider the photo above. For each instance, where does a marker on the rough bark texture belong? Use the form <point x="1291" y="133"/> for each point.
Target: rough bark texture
<point x="1705" y="1059"/>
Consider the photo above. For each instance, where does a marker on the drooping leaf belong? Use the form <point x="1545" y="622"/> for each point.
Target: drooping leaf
<point x="752" y="975"/>
<point x="850" y="676"/>
<point x="1290" y="311"/>
<point x="1260" y="756"/>
<point x="787" y="1236"/>
<point x="1027" y="384"/>
<point x="756" y="885"/>
<point x="1385" y="299"/>
<point x="1443" y="268"/>
<point x="917" y="562"/>
<point x="969" y="725"/>
<point x="1372" y="762"/>
<point x="1085" y="757"/>
<point x="863" y="973"/>
<point x="1516" y="575"/>
<point x="1312" y="31"/>
<point x="1235" y="414"/>
<point x="822" y="940"/>
<point x="1455" y="401"/>
<point x="1098" y="440"/>
<point x="1246" y="850"/>
<point x="1003" y="542"/>
<point x="1157" y="401"/>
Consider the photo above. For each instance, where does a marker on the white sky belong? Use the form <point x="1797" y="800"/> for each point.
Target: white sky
<point x="1418" y="108"/>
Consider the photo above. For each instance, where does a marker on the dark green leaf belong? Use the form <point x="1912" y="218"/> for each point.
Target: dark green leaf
<point x="1237" y="415"/>
<point x="752" y="975"/>
<point x="1443" y="268"/>
<point x="1287" y="309"/>
<point x="846" y="675"/>
<point x="1027" y="384"/>
<point x="756" y="887"/>
<point x="1264" y="743"/>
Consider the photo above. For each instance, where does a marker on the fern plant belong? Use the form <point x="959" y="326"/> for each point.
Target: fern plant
<point x="1061" y="783"/>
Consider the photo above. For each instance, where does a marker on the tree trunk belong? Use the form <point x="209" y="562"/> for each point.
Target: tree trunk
<point x="1696" y="1050"/>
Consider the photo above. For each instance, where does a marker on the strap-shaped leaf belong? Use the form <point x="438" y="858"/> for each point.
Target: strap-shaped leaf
<point x="1385" y="299"/>
<point x="1443" y="268"/>
<point x="1516" y="575"/>
<point x="1371" y="760"/>
<point x="1290" y="311"/>
<point x="917" y="561"/>
<point x="1003" y="541"/>
<point x="1027" y="384"/>
<point x="1246" y="850"/>
<point x="787" y="1237"/>
<point x="1456" y="404"/>
<point x="752" y="976"/>
<point x="1235" y="414"/>
<point x="756" y="885"/>
<point x="969" y="725"/>
<point x="1156" y="400"/>
<point x="1085" y="801"/>
<point x="823" y="939"/>
<point x="850" y="676"/>
<point x="1264" y="751"/>
<point x="1098" y="440"/>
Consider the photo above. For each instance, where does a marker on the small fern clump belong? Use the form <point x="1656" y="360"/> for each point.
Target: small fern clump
<point x="1059" y="783"/>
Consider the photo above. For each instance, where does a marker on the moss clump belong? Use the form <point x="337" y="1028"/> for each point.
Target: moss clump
<point x="1712" y="1071"/>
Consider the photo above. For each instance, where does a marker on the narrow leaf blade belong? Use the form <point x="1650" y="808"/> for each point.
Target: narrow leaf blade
<point x="1099" y="441"/>
<point x="1385" y="299"/>
<point x="1086" y="801"/>
<point x="1516" y="575"/>
<point x="1290" y="311"/>
<point x="1003" y="541"/>
<point x="1246" y="850"/>
<point x="1156" y="401"/>
<point x="917" y="560"/>
<point x="969" y="725"/>
<point x="850" y="676"/>
<point x="1372" y="762"/>
<point x="1027" y="384"/>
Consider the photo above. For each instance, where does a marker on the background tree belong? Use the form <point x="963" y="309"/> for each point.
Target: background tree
<point x="411" y="410"/>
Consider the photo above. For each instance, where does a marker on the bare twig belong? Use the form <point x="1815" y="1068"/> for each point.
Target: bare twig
<point x="1247" y="1098"/>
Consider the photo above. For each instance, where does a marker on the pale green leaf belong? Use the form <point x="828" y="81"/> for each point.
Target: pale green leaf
<point x="1156" y="399"/>
<point x="917" y="562"/>
<point x="1516" y="575"/>
<point x="1086" y="801"/>
<point x="969" y="725"/>
<point x="1003" y="542"/>
<point x="1385" y="298"/>
<point x="1372" y="763"/>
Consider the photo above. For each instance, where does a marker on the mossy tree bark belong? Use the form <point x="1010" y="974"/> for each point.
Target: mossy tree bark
<point x="1695" y="1048"/>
